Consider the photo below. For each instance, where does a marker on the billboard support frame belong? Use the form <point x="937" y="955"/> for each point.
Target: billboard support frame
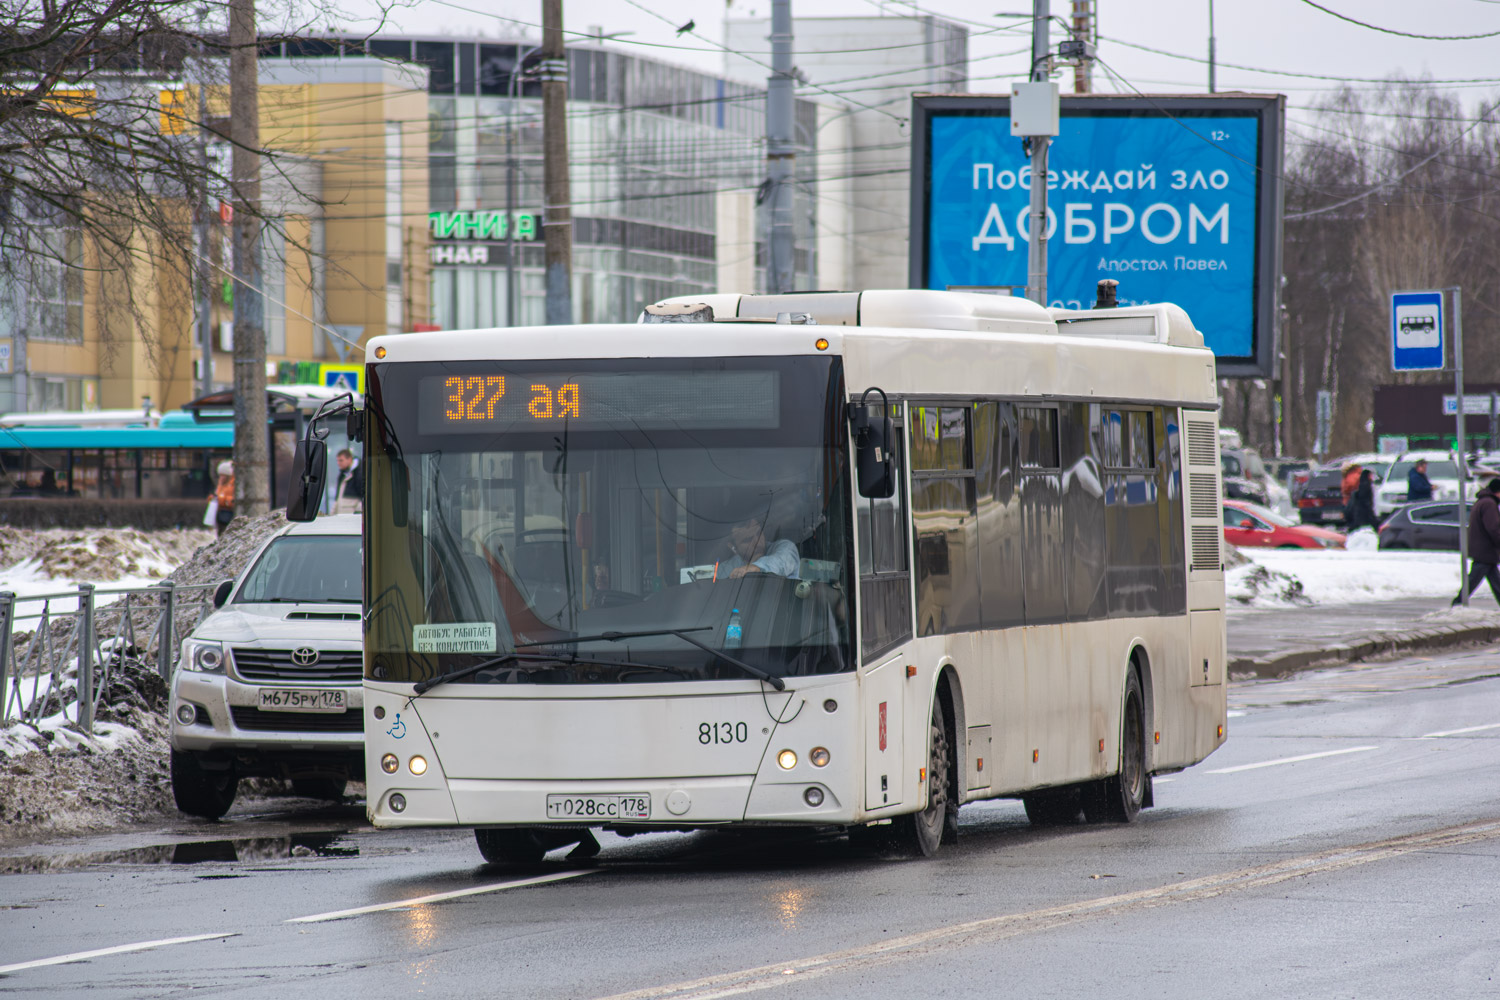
<point x="1271" y="110"/>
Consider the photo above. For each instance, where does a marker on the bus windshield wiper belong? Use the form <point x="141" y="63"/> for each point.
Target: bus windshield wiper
<point x="681" y="633"/>
<point x="570" y="659"/>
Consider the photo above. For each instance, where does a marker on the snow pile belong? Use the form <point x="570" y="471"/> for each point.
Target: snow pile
<point x="1289" y="577"/>
<point x="54" y="779"/>
<point x="1362" y="540"/>
<point x="66" y="556"/>
<point x="231" y="552"/>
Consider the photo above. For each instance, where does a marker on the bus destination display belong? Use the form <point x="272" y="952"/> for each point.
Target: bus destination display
<point x="487" y="402"/>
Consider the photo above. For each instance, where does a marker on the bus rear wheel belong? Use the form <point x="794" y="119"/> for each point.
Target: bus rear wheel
<point x="1119" y="798"/>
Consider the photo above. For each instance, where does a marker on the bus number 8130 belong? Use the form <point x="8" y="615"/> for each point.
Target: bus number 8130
<point x="723" y="732"/>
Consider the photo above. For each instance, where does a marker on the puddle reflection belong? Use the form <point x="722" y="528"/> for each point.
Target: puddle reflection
<point x="193" y="852"/>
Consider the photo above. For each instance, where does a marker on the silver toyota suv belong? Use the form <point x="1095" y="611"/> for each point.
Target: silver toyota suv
<point x="268" y="685"/>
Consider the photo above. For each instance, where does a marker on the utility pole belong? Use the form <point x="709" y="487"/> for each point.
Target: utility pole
<point x="1211" y="54"/>
<point x="780" y="153"/>
<point x="510" y="186"/>
<point x="1460" y="444"/>
<point x="1083" y="31"/>
<point x="1039" y="125"/>
<point x="251" y="493"/>
<point x="200" y="218"/>
<point x="557" y="213"/>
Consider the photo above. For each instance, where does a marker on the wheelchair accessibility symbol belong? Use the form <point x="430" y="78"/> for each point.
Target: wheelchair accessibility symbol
<point x="398" y="728"/>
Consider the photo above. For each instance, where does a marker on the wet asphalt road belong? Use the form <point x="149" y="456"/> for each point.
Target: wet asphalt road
<point x="1367" y="867"/>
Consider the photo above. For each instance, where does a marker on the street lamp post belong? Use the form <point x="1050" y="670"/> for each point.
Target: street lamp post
<point x="510" y="187"/>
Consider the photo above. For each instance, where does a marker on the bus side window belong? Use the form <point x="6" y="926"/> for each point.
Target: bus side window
<point x="943" y="520"/>
<point x="884" y="581"/>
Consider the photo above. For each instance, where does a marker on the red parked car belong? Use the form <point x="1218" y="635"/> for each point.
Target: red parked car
<point x="1249" y="525"/>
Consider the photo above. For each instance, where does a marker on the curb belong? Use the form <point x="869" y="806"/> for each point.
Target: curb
<point x="1292" y="661"/>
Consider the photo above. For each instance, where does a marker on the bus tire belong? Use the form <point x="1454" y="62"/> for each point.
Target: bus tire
<point x="1118" y="798"/>
<point x="920" y="834"/>
<point x="511" y="846"/>
<point x="1053" y="806"/>
<point x="199" y="791"/>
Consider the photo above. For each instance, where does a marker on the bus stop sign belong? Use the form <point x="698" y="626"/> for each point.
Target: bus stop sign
<point x="1417" y="331"/>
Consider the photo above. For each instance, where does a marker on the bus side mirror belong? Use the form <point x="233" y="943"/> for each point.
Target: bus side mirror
<point x="874" y="463"/>
<point x="309" y="480"/>
<point x="221" y="593"/>
<point x="355" y="425"/>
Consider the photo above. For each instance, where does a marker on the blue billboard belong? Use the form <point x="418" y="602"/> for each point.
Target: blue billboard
<point x="1176" y="198"/>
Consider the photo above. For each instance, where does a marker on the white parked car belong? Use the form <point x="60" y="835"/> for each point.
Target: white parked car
<point x="269" y="685"/>
<point x="1442" y="472"/>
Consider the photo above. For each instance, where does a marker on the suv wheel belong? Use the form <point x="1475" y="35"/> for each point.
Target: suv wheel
<point x="201" y="792"/>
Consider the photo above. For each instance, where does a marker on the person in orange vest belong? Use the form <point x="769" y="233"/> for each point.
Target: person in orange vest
<point x="1350" y="482"/>
<point x="221" y="504"/>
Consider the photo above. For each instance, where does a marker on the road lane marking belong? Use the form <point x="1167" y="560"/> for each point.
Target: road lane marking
<point x="1290" y="760"/>
<point x="990" y="929"/>
<point x="1460" y="732"/>
<point x="436" y="897"/>
<point x="119" y="949"/>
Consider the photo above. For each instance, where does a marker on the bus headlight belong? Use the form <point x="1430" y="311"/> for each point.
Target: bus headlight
<point x="813" y="796"/>
<point x="389" y="764"/>
<point x="819" y="757"/>
<point x="205" y="656"/>
<point x="418" y="765"/>
<point x="787" y="759"/>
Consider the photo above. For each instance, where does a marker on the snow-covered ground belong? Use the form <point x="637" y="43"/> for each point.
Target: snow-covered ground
<point x="1331" y="576"/>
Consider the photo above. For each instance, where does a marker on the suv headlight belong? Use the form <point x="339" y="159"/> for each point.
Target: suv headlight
<point x="204" y="656"/>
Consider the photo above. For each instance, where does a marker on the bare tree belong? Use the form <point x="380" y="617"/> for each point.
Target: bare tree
<point x="1389" y="189"/>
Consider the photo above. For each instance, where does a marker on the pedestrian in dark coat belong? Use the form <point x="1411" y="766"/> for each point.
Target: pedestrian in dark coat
<point x="1418" y="486"/>
<point x="1484" y="541"/>
<point x="1361" y="510"/>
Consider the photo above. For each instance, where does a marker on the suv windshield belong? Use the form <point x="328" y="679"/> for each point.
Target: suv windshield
<point x="305" y="569"/>
<point x="528" y="504"/>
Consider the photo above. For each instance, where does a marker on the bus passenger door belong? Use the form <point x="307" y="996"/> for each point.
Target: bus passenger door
<point x="884" y="689"/>
<point x="885" y="625"/>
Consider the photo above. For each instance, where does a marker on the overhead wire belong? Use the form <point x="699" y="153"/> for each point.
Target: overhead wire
<point x="1393" y="31"/>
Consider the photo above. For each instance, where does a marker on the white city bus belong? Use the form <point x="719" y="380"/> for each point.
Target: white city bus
<point x="846" y="559"/>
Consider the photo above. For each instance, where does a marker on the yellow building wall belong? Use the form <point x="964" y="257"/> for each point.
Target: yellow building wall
<point x="129" y="352"/>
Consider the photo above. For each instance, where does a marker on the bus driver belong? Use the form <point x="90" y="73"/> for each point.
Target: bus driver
<point x="752" y="554"/>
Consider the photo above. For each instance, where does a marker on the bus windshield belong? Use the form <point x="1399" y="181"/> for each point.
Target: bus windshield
<point x="525" y="505"/>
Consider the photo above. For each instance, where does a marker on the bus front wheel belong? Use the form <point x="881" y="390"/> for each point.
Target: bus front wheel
<point x="512" y="847"/>
<point x="920" y="834"/>
<point x="1118" y="799"/>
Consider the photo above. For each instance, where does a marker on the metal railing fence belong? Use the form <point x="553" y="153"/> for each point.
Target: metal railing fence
<point x="56" y="659"/>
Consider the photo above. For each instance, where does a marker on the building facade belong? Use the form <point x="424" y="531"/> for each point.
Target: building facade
<point x="660" y="158"/>
<point x="344" y="190"/>
<point x="862" y="71"/>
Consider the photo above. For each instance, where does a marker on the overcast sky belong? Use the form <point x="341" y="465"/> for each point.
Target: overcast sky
<point x="1286" y="35"/>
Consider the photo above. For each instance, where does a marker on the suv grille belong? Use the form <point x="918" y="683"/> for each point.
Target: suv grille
<point x="278" y="665"/>
<point x="248" y="717"/>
